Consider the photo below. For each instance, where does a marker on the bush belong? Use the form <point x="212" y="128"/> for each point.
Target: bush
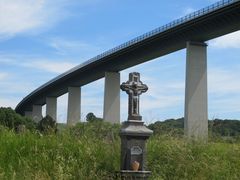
<point x="96" y="129"/>
<point x="9" y="118"/>
<point x="67" y="156"/>
<point x="60" y="156"/>
<point x="172" y="127"/>
<point x="47" y="125"/>
<point x="174" y="158"/>
<point x="90" y="117"/>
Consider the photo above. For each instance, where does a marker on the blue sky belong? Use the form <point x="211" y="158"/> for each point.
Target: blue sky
<point x="40" y="39"/>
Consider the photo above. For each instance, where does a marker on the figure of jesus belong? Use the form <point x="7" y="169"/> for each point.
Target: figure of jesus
<point x="134" y="87"/>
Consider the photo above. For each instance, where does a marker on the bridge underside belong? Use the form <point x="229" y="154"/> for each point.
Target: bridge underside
<point x="204" y="28"/>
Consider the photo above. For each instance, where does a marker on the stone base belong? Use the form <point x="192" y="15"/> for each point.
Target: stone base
<point x="134" y="175"/>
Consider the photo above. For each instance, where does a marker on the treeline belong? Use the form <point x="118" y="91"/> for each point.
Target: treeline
<point x="10" y="119"/>
<point x="91" y="150"/>
<point x="217" y="127"/>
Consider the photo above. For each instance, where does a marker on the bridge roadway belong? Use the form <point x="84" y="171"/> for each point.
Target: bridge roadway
<point x="211" y="22"/>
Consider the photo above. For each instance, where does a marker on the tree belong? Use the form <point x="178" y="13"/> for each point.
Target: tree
<point x="47" y="125"/>
<point x="9" y="118"/>
<point x="90" y="117"/>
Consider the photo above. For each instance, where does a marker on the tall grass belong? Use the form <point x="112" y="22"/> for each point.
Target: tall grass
<point x="173" y="158"/>
<point x="92" y="151"/>
<point x="62" y="156"/>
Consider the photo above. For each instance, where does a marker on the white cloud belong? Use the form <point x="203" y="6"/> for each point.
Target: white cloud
<point x="3" y="75"/>
<point x="226" y="105"/>
<point x="9" y="102"/>
<point x="222" y="81"/>
<point x="17" y="87"/>
<point x="224" y="98"/>
<point x="59" y="44"/>
<point x="34" y="16"/>
<point x="19" y="16"/>
<point x="49" y="66"/>
<point x="228" y="41"/>
<point x="64" y="46"/>
<point x="185" y="12"/>
<point x="188" y="10"/>
<point x="162" y="101"/>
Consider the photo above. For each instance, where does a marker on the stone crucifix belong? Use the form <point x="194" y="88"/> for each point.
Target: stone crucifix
<point x="134" y="88"/>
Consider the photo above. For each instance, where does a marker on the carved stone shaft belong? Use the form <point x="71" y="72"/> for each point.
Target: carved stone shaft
<point x="134" y="88"/>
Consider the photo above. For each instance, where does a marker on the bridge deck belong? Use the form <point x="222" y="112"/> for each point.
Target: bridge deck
<point x="213" y="21"/>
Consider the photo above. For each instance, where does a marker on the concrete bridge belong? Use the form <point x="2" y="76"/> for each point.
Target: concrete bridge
<point x="191" y="32"/>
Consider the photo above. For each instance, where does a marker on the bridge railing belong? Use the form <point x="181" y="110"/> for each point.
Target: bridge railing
<point x="138" y="39"/>
<point x="193" y="15"/>
<point x="196" y="14"/>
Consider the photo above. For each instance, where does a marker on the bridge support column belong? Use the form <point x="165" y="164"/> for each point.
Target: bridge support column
<point x="196" y="106"/>
<point x="37" y="113"/>
<point x="28" y="114"/>
<point x="51" y="107"/>
<point x="74" y="105"/>
<point x="111" y="110"/>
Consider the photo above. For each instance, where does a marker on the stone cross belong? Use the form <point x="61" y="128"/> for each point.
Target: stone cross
<point x="134" y="87"/>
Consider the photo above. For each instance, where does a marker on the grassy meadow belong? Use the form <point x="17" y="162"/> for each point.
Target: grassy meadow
<point x="92" y="151"/>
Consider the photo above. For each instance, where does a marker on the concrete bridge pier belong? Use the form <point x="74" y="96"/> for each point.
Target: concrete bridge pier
<point x="37" y="113"/>
<point x="196" y="101"/>
<point x="111" y="109"/>
<point x="51" y="107"/>
<point x="74" y="105"/>
<point x="28" y="114"/>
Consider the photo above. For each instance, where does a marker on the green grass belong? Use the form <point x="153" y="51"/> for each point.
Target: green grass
<point x="64" y="156"/>
<point x="172" y="158"/>
<point x="92" y="151"/>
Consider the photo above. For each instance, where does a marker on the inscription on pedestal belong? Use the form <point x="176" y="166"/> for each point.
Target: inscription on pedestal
<point x="136" y="150"/>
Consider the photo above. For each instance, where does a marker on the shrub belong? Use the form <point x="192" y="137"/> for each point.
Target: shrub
<point x="9" y="118"/>
<point x="172" y="127"/>
<point x="90" y="117"/>
<point x="96" y="129"/>
<point x="47" y="125"/>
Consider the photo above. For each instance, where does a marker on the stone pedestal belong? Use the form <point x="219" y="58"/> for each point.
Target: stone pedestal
<point x="134" y="175"/>
<point x="133" y="133"/>
<point x="133" y="139"/>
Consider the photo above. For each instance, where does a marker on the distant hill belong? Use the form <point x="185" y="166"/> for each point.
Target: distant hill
<point x="170" y="126"/>
<point x="225" y="127"/>
<point x="220" y="127"/>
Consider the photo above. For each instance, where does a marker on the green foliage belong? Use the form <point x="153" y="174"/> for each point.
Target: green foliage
<point x="90" y="117"/>
<point x="90" y="157"/>
<point x="174" y="158"/>
<point x="9" y="118"/>
<point x="98" y="129"/>
<point x="225" y="127"/>
<point x="58" y="156"/>
<point x="216" y="127"/>
<point x="91" y="150"/>
<point x="170" y="126"/>
<point x="47" y="125"/>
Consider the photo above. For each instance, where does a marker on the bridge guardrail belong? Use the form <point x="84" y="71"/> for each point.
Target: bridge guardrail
<point x="136" y="40"/>
<point x="196" y="14"/>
